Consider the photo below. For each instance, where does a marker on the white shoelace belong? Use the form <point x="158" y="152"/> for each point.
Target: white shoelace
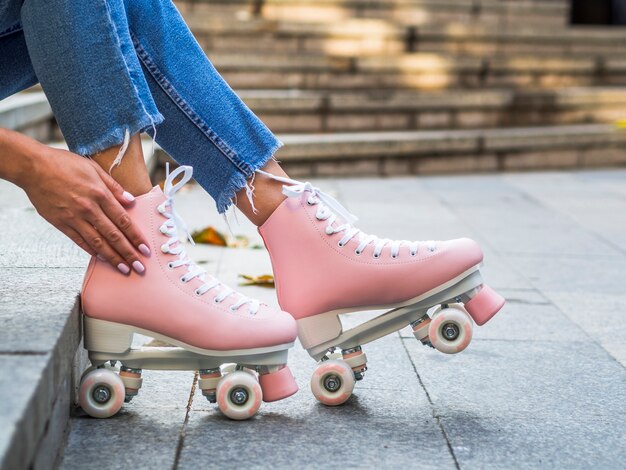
<point x="174" y="246"/>
<point x="330" y="209"/>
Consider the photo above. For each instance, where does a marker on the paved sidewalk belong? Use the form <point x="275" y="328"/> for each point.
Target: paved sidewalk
<point x="541" y="386"/>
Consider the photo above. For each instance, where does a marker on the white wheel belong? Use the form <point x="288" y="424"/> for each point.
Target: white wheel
<point x="332" y="382"/>
<point x="101" y="393"/>
<point x="239" y="395"/>
<point x="450" y="330"/>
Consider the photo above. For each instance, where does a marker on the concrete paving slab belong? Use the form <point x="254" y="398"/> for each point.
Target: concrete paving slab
<point x="525" y="372"/>
<point x="130" y="440"/>
<point x="528" y="404"/>
<point x="599" y="316"/>
<point x="591" y="199"/>
<point x="381" y="424"/>
<point x="599" y="275"/>
<point x="513" y="221"/>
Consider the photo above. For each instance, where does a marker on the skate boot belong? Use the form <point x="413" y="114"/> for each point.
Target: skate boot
<point x="325" y="267"/>
<point x="210" y="325"/>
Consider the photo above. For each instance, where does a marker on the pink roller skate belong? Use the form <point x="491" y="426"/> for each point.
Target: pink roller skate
<point x="325" y="267"/>
<point x="174" y="300"/>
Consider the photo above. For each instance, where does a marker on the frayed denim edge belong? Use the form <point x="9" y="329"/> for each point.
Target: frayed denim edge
<point x="116" y="136"/>
<point x="238" y="180"/>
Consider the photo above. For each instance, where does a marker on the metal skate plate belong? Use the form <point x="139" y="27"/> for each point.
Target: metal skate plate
<point x="174" y="358"/>
<point x="398" y="318"/>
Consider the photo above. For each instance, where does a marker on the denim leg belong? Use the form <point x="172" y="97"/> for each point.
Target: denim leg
<point x="84" y="59"/>
<point x="110" y="66"/>
<point x="206" y="124"/>
<point x="16" y="71"/>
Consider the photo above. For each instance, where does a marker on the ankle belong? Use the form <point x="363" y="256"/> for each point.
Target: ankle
<point x="262" y="195"/>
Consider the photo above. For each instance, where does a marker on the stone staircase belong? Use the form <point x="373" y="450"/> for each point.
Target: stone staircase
<point x="393" y="86"/>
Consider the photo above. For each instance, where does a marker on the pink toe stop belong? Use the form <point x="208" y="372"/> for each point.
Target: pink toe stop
<point x="278" y="385"/>
<point x="484" y="305"/>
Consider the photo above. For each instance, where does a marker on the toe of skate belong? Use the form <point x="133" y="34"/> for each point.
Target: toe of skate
<point x="484" y="305"/>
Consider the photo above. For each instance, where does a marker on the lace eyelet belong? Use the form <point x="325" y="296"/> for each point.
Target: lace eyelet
<point x="394" y="256"/>
<point x="232" y="309"/>
<point x="414" y="253"/>
<point x="376" y="255"/>
<point x="197" y="292"/>
<point x="216" y="301"/>
<point x="170" y="265"/>
<point x="432" y="249"/>
<point x="358" y="252"/>
<point x="341" y="245"/>
<point x="183" y="279"/>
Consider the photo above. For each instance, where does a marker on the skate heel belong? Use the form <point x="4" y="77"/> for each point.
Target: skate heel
<point x="105" y="336"/>
<point x="484" y="305"/>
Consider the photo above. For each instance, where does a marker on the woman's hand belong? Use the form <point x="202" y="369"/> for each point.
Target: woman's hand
<point x="80" y="199"/>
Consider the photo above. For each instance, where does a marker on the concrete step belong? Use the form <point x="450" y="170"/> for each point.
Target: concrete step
<point x="426" y="152"/>
<point x="40" y="274"/>
<point x="289" y="111"/>
<point x="445" y="152"/>
<point x="358" y="36"/>
<point x="28" y="113"/>
<point x="414" y="71"/>
<point x="414" y="12"/>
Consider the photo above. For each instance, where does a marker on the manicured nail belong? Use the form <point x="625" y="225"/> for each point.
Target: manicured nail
<point x="137" y="266"/>
<point x="129" y="197"/>
<point x="123" y="268"/>
<point x="144" y="249"/>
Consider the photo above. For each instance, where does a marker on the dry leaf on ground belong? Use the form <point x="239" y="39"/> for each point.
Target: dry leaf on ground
<point x="264" y="280"/>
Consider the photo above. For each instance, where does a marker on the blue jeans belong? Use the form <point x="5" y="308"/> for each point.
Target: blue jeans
<point x="109" y="67"/>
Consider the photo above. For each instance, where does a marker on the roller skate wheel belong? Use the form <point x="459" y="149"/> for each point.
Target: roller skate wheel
<point x="239" y="395"/>
<point x="332" y="382"/>
<point x="439" y="308"/>
<point x="101" y="393"/>
<point x="450" y="330"/>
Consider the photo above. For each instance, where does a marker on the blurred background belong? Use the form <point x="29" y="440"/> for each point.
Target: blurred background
<point x="394" y="87"/>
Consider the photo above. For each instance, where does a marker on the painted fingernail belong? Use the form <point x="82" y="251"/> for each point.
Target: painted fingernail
<point x="129" y="197"/>
<point x="144" y="249"/>
<point x="123" y="268"/>
<point x="137" y="266"/>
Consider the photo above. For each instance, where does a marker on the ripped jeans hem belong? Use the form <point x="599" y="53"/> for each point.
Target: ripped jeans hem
<point x="239" y="180"/>
<point x="115" y="137"/>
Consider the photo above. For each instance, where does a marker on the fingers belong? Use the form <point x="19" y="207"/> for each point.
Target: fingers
<point x="122" y="196"/>
<point x="106" y="240"/>
<point x="118" y="216"/>
<point x="78" y="239"/>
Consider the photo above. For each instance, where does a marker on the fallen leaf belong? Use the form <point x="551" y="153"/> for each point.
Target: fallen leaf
<point x="264" y="280"/>
<point x="209" y="236"/>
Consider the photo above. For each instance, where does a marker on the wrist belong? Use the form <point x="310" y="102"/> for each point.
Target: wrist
<point x="22" y="157"/>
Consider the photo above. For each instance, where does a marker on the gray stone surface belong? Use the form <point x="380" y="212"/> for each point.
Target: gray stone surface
<point x="24" y="110"/>
<point x="40" y="275"/>
<point x="542" y="385"/>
